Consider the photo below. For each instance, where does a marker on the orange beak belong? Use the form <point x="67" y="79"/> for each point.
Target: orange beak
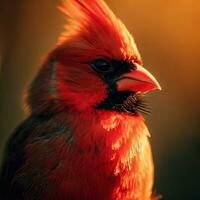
<point x="138" y="80"/>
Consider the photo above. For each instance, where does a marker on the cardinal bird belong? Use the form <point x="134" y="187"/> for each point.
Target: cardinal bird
<point x="84" y="137"/>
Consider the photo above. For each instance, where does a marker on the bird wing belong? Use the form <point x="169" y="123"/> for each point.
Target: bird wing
<point x="31" y="155"/>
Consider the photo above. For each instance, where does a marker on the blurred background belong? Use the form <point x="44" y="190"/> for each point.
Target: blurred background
<point x="168" y="36"/>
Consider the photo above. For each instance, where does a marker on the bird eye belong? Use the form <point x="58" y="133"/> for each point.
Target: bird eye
<point x="102" y="65"/>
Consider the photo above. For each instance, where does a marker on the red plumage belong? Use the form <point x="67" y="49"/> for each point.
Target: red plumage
<point x="71" y="148"/>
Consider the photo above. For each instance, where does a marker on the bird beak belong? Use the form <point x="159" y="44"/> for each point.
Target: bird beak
<point x="137" y="80"/>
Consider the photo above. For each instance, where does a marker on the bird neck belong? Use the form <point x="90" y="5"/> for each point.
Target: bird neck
<point x="112" y="134"/>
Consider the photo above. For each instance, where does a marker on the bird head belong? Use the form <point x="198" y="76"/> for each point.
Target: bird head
<point x="95" y="64"/>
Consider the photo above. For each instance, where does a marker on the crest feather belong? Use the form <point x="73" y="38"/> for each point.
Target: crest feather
<point x="94" y="23"/>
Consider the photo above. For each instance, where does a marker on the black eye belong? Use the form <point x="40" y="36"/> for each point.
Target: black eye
<point x="102" y="65"/>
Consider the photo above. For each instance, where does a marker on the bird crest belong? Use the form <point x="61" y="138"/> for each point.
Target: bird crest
<point x="93" y="25"/>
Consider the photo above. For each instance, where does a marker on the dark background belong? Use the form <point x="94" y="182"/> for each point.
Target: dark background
<point x="168" y="36"/>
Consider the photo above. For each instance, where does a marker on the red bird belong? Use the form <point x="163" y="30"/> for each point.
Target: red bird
<point x="84" y="137"/>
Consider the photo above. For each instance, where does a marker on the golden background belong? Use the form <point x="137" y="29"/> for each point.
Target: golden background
<point x="168" y="36"/>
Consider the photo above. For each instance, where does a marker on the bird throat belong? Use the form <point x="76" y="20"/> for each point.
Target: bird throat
<point x="124" y="101"/>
